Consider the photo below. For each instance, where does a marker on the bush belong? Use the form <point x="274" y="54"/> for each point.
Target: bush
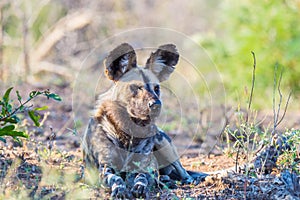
<point x="8" y="114"/>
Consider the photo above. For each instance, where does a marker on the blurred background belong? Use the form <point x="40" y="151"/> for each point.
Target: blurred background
<point x="60" y="45"/>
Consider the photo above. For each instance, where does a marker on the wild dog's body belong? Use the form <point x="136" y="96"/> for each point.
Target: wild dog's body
<point x="122" y="135"/>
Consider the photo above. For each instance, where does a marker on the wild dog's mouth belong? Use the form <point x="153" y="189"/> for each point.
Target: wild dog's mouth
<point x="146" y="119"/>
<point x="141" y="122"/>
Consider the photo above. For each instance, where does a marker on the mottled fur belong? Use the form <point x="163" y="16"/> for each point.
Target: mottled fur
<point x="122" y="139"/>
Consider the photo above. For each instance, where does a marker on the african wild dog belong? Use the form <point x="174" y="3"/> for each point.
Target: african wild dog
<point x="122" y="140"/>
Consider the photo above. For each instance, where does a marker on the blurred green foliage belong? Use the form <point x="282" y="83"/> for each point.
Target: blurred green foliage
<point x="233" y="29"/>
<point x="36" y="16"/>
<point x="270" y="29"/>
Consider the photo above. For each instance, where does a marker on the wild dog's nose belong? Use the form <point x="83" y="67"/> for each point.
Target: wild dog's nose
<point x="155" y="104"/>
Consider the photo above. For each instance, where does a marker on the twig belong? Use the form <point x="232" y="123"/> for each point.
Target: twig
<point x="274" y="100"/>
<point x="220" y="133"/>
<point x="252" y="85"/>
<point x="277" y="121"/>
<point x="237" y="159"/>
<point x="15" y="110"/>
<point x="245" y="187"/>
<point x="285" y="109"/>
<point x="280" y="100"/>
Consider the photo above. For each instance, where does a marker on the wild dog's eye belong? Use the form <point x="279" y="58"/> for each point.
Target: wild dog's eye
<point x="134" y="88"/>
<point x="156" y="89"/>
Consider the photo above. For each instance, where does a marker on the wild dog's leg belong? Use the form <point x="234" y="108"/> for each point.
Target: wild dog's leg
<point x="168" y="158"/>
<point x="94" y="150"/>
<point x="197" y="177"/>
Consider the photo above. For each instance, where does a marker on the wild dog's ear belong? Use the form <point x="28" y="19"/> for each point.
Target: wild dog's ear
<point x="119" y="61"/>
<point x="163" y="61"/>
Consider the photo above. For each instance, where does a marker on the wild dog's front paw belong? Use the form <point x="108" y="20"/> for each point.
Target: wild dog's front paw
<point x="188" y="180"/>
<point x="118" y="190"/>
<point x="140" y="187"/>
<point x="197" y="180"/>
<point x="197" y="176"/>
<point x="116" y="184"/>
<point x="194" y="178"/>
<point x="166" y="181"/>
<point x="139" y="190"/>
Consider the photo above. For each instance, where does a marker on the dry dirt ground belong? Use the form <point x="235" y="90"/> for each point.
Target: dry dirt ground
<point x="49" y="164"/>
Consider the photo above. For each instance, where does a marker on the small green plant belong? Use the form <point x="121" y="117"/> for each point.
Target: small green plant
<point x="263" y="148"/>
<point x="9" y="112"/>
<point x="290" y="156"/>
<point x="246" y="140"/>
<point x="246" y="135"/>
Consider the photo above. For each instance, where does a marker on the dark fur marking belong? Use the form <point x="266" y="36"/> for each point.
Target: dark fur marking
<point x="163" y="135"/>
<point x="120" y="61"/>
<point x="145" y="78"/>
<point x="166" y="55"/>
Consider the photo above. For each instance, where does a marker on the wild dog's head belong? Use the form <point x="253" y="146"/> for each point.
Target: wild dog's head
<point x="138" y="88"/>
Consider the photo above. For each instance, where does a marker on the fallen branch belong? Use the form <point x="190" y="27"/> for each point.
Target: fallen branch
<point x="53" y="68"/>
<point x="67" y="24"/>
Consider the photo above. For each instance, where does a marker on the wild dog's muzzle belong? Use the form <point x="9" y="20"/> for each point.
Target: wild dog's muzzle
<point x="155" y="107"/>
